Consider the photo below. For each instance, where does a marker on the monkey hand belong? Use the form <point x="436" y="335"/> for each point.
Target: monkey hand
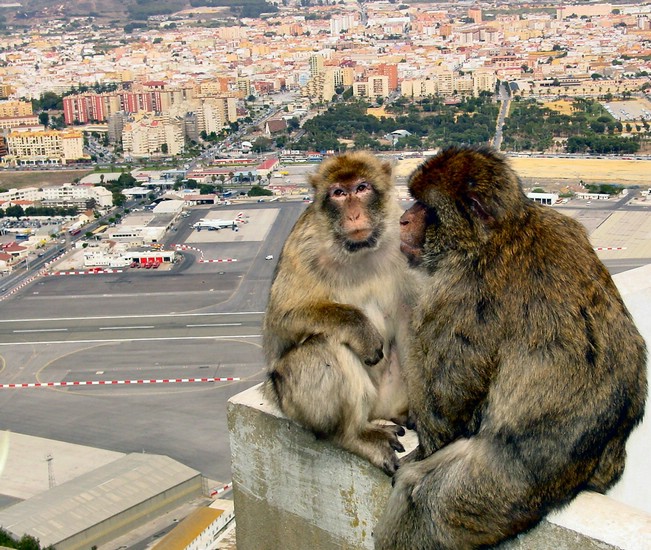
<point x="367" y="343"/>
<point x="379" y="443"/>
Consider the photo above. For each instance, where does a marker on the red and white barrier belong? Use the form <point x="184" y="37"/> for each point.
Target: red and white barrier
<point x="221" y="490"/>
<point x="610" y="248"/>
<point x="116" y="382"/>
<point x="86" y="272"/>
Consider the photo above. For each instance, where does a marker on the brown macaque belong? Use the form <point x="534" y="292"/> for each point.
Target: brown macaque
<point x="338" y="312"/>
<point x="526" y="375"/>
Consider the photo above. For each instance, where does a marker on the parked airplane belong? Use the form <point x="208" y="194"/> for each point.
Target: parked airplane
<point x="216" y="225"/>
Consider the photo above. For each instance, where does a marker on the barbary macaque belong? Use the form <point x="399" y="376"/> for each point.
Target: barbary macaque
<point x="526" y="375"/>
<point x="337" y="317"/>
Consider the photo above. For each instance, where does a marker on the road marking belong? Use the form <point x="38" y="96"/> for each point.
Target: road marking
<point x="119" y="340"/>
<point x="215" y="325"/>
<point x="127" y="328"/>
<point x="148" y="316"/>
<point x="42" y="330"/>
<point x="117" y="382"/>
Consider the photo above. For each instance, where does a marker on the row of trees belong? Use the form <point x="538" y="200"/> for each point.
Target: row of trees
<point x="26" y="542"/>
<point x="17" y="211"/>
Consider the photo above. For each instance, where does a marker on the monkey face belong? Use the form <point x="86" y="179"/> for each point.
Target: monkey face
<point x="351" y="191"/>
<point x="351" y="207"/>
<point x="413" y="224"/>
<point x="466" y="195"/>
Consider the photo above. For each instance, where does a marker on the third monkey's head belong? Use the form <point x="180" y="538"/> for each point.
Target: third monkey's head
<point x="465" y="195"/>
<point x="353" y="191"/>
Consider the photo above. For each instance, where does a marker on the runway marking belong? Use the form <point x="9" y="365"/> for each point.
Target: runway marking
<point x="127" y="328"/>
<point x="202" y="260"/>
<point x="41" y="330"/>
<point x="119" y="340"/>
<point x="215" y="325"/>
<point x="117" y="382"/>
<point x="144" y="316"/>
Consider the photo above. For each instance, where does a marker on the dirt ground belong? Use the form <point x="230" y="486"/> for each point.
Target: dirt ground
<point x="39" y="178"/>
<point x="548" y="171"/>
<point x="567" y="172"/>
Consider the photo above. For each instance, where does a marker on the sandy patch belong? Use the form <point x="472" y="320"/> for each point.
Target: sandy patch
<point x="626" y="172"/>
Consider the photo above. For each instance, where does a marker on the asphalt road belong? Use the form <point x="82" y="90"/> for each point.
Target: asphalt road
<point x="198" y="321"/>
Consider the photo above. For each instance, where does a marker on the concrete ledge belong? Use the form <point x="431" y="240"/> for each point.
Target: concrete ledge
<point x="294" y="492"/>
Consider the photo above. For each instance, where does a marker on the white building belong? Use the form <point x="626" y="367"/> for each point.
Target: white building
<point x="544" y="198"/>
<point x="67" y="194"/>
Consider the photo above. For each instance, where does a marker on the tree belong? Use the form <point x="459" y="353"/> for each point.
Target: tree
<point x="257" y="191"/>
<point x="14" y="211"/>
<point x="261" y="144"/>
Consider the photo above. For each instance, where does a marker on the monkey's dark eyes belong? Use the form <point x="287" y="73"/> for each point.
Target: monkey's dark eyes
<point x="361" y="187"/>
<point x="338" y="193"/>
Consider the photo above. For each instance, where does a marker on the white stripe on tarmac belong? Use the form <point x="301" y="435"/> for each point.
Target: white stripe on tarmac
<point x="118" y="340"/>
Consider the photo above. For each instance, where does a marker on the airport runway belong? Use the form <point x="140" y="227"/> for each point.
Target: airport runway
<point x="201" y="320"/>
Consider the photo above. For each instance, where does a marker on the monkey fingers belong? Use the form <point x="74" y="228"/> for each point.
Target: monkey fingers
<point x="378" y="444"/>
<point x="368" y="344"/>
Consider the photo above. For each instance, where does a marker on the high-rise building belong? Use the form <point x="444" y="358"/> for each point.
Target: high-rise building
<point x="390" y="70"/>
<point x="50" y="147"/>
<point x="474" y="13"/>
<point x="316" y="65"/>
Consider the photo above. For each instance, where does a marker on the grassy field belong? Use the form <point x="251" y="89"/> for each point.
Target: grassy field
<point x="568" y="171"/>
<point x="38" y="178"/>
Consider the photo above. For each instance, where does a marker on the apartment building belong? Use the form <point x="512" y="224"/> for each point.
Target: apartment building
<point x="447" y="83"/>
<point x="44" y="147"/>
<point x="374" y="86"/>
<point x="30" y="121"/>
<point x="214" y="113"/>
<point x="15" y="108"/>
<point x="67" y="194"/>
<point x="149" y="135"/>
<point x="148" y="97"/>
<point x="79" y="196"/>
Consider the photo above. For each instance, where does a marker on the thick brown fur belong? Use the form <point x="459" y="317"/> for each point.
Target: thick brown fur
<point x="526" y="375"/>
<point x="338" y="311"/>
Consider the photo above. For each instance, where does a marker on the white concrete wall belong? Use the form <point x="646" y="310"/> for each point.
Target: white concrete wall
<point x="293" y="492"/>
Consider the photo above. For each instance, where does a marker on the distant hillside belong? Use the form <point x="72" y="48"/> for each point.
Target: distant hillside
<point x="120" y="10"/>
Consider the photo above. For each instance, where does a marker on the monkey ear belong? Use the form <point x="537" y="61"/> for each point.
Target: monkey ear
<point x="314" y="180"/>
<point x="480" y="209"/>
<point x="387" y="168"/>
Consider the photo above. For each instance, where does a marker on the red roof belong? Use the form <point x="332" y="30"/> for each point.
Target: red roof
<point x="13" y="247"/>
<point x="268" y="164"/>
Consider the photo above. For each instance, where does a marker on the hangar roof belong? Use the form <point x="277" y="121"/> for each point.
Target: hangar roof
<point x="73" y="507"/>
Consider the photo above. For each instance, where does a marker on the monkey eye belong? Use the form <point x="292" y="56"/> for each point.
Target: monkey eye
<point x="362" y="187"/>
<point x="338" y="192"/>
